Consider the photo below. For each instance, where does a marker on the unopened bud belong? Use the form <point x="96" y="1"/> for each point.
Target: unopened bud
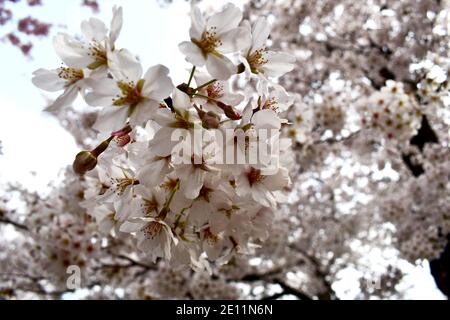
<point x="122" y="136"/>
<point x="122" y="132"/>
<point x="229" y="111"/>
<point x="123" y="140"/>
<point x="186" y="89"/>
<point x="210" y="120"/>
<point x="87" y="160"/>
<point x="84" y="161"/>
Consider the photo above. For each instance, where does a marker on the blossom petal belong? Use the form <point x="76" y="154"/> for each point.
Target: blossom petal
<point x="229" y="18"/>
<point x="242" y="185"/>
<point x="246" y="25"/>
<point x="73" y="52"/>
<point x="124" y="66"/>
<point x="48" y="80"/>
<point x="157" y="85"/>
<point x="260" y="33"/>
<point x="180" y="100"/>
<point x="193" y="53"/>
<point x="218" y="222"/>
<point x="94" y="29"/>
<point x="196" y="178"/>
<point x="277" y="181"/>
<point x="199" y="213"/>
<point x="164" y="117"/>
<point x="263" y="196"/>
<point x="266" y="119"/>
<point x="66" y="99"/>
<point x="103" y="92"/>
<point x="129" y="226"/>
<point x="161" y="144"/>
<point x="220" y="68"/>
<point x="111" y="119"/>
<point x="144" y="111"/>
<point x="278" y="64"/>
<point x="116" y="25"/>
<point x="179" y="202"/>
<point x="233" y="99"/>
<point x="153" y="173"/>
<point x="234" y="40"/>
<point x="198" y="23"/>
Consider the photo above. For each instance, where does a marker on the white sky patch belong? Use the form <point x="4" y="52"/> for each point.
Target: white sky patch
<point x="32" y="143"/>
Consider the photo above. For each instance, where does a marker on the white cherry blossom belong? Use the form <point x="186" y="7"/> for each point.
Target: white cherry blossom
<point x="129" y="95"/>
<point x="214" y="37"/>
<point x="94" y="52"/>
<point x="71" y="80"/>
<point x="258" y="58"/>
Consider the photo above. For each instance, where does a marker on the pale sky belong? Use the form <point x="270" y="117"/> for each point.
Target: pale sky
<point x="34" y="142"/>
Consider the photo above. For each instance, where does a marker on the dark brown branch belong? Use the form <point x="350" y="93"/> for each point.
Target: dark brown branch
<point x="287" y="290"/>
<point x="134" y="262"/>
<point x="13" y="223"/>
<point x="328" y="294"/>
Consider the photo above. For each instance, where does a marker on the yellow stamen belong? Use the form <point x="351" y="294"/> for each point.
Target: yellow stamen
<point x="257" y="59"/>
<point x="70" y="74"/>
<point x="131" y="93"/>
<point x="209" y="42"/>
<point x="215" y="90"/>
<point x="254" y="176"/>
<point x="152" y="229"/>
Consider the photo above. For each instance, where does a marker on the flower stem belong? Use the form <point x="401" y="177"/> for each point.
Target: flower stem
<point x="205" y="84"/>
<point x="163" y="213"/>
<point x="102" y="147"/>
<point x="205" y="97"/>
<point x="172" y="193"/>
<point x="191" y="76"/>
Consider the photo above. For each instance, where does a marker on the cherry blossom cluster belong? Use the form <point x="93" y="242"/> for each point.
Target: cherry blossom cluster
<point x="55" y="235"/>
<point x="433" y="88"/>
<point x="391" y="57"/>
<point x="391" y="112"/>
<point x="324" y="114"/>
<point x="419" y="208"/>
<point x="194" y="172"/>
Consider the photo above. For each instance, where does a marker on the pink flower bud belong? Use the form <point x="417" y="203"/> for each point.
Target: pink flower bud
<point x="229" y="111"/>
<point x="123" y="140"/>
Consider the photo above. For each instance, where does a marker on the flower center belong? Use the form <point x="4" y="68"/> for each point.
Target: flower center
<point x="182" y="120"/>
<point x="131" y="93"/>
<point x="70" y="74"/>
<point x="149" y="206"/>
<point x="215" y="90"/>
<point x="271" y="104"/>
<point x="210" y="237"/>
<point x="169" y="185"/>
<point x="209" y="42"/>
<point x="97" y="52"/>
<point x="205" y="193"/>
<point x="152" y="229"/>
<point x="299" y="118"/>
<point x="254" y="176"/>
<point x="122" y="183"/>
<point x="257" y="59"/>
<point x="200" y="166"/>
